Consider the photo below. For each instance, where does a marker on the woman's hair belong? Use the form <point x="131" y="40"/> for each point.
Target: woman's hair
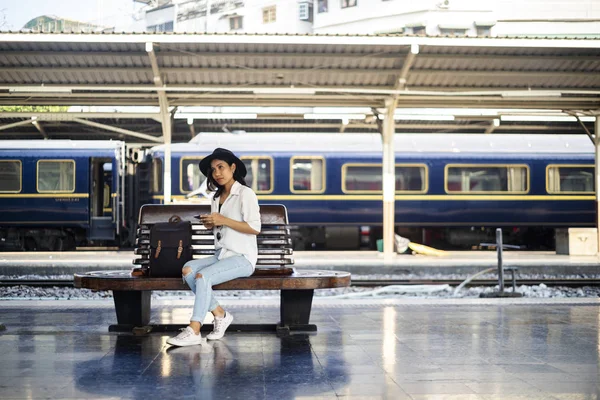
<point x="212" y="184"/>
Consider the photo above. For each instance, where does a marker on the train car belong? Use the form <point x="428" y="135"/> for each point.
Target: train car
<point x="452" y="190"/>
<point x="58" y="194"/>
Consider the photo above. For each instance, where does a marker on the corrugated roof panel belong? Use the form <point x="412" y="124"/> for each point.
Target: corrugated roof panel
<point x="272" y="60"/>
<point x="348" y="61"/>
<point x="527" y="63"/>
<point x="501" y="79"/>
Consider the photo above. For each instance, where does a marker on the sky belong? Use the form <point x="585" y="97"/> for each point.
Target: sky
<point x="16" y="13"/>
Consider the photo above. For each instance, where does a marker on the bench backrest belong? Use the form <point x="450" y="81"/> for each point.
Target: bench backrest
<point x="274" y="241"/>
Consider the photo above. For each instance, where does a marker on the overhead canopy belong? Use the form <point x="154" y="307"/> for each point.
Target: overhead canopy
<point x="299" y="70"/>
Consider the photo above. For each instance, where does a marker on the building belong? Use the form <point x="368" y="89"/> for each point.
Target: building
<point x="459" y="17"/>
<point x="254" y="16"/>
<point x="48" y="23"/>
<point x="427" y="17"/>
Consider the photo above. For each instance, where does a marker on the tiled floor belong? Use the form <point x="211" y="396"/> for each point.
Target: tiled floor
<point x="435" y="350"/>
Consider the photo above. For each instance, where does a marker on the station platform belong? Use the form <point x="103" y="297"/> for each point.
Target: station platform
<point x="397" y="349"/>
<point x="356" y="262"/>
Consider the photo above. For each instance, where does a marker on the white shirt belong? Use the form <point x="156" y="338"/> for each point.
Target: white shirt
<point x="240" y="205"/>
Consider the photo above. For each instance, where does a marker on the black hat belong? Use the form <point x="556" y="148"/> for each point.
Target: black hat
<point x="225" y="155"/>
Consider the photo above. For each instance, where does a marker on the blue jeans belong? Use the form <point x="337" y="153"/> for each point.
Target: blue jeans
<point x="214" y="271"/>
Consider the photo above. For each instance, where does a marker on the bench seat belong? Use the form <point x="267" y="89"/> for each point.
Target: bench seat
<point x="132" y="296"/>
<point x="132" y="290"/>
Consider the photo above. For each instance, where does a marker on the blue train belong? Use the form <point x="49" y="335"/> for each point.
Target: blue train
<point x="452" y="190"/>
<point x="55" y="195"/>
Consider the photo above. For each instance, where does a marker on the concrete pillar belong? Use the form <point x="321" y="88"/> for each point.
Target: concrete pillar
<point x="389" y="178"/>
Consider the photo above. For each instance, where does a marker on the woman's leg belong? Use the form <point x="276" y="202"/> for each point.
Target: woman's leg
<point x="219" y="272"/>
<point x="211" y="274"/>
<point x="191" y="268"/>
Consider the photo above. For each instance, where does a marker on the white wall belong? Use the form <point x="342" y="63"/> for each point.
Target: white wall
<point x="160" y="16"/>
<point x="547" y="9"/>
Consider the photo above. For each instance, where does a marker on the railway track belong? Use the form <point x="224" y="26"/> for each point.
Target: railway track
<point x="361" y="282"/>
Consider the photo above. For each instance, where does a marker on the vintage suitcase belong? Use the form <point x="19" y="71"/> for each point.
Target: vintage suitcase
<point x="170" y="247"/>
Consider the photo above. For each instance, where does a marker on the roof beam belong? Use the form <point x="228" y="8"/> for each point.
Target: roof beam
<point x="282" y="40"/>
<point x="399" y="126"/>
<point x="15" y="124"/>
<point x="495" y="123"/>
<point x="39" y="127"/>
<point x="408" y="62"/>
<point x="118" y="130"/>
<point x="16" y="90"/>
<point x="331" y="101"/>
<point x="587" y="131"/>
<point x="66" y="116"/>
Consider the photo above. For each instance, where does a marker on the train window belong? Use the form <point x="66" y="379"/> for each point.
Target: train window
<point x="106" y="198"/>
<point x="307" y="174"/>
<point x="411" y="178"/>
<point x="157" y="175"/>
<point x="487" y="178"/>
<point x="260" y="173"/>
<point x="367" y="178"/>
<point x="570" y="179"/>
<point x="191" y="177"/>
<point x="10" y="176"/>
<point x="56" y="176"/>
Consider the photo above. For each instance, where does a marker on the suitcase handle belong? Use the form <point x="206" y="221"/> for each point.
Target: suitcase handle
<point x="174" y="219"/>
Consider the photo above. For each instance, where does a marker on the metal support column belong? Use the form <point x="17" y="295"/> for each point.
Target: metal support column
<point x="597" y="172"/>
<point x="388" y="177"/>
<point x="165" y="119"/>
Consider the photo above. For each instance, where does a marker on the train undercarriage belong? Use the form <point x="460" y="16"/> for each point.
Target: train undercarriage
<point x="49" y="239"/>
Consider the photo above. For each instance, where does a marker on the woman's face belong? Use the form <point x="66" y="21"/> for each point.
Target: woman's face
<point x="222" y="172"/>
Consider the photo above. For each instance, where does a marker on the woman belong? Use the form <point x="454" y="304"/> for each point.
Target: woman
<point x="235" y="221"/>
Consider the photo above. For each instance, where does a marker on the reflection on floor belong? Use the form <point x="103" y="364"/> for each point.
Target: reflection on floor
<point x="428" y="351"/>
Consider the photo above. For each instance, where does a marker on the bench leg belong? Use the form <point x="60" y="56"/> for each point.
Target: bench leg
<point x="295" y="311"/>
<point x="133" y="309"/>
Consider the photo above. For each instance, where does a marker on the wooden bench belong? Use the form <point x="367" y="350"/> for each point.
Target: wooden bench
<point x="132" y="291"/>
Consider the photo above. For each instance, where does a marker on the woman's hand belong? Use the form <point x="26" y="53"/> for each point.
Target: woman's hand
<point x="213" y="219"/>
<point x="216" y="219"/>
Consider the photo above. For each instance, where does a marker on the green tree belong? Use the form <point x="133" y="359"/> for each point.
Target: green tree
<point x="48" y="109"/>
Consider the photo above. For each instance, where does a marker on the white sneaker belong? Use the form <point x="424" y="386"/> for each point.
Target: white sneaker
<point x="221" y="325"/>
<point x="187" y="337"/>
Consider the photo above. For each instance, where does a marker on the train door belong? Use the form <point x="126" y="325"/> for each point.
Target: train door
<point x="101" y="205"/>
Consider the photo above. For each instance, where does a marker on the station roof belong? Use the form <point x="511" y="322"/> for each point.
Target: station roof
<point x="298" y="70"/>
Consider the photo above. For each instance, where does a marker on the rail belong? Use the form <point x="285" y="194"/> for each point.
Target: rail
<point x="579" y="282"/>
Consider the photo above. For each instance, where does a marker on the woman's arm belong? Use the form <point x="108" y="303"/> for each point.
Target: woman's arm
<point x="216" y="219"/>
